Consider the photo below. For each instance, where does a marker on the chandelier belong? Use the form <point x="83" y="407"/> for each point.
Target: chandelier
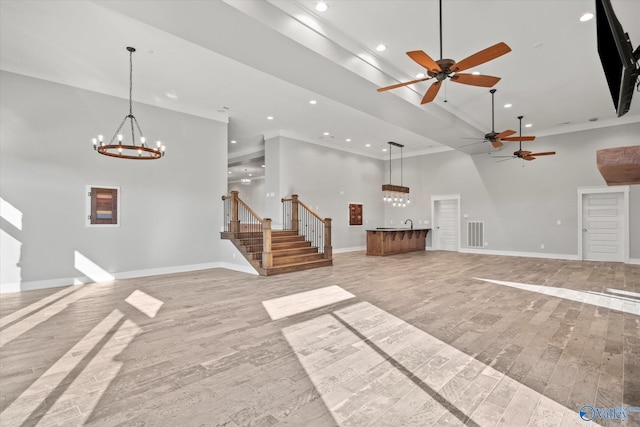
<point x="132" y="150"/>
<point x="395" y="195"/>
<point x="246" y="180"/>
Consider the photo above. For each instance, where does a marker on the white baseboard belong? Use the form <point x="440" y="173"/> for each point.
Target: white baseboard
<point x="635" y="261"/>
<point x="241" y="268"/>
<point x="522" y="254"/>
<point x="165" y="270"/>
<point x="353" y="249"/>
<point x="13" y="287"/>
<point x="6" y="288"/>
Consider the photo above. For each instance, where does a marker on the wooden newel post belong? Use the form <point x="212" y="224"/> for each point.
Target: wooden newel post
<point x="235" y="221"/>
<point x="267" y="255"/>
<point x="328" y="252"/>
<point x="294" y="212"/>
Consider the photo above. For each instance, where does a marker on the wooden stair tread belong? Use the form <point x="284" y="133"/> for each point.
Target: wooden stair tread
<point x="296" y="259"/>
<point x="291" y="252"/>
<point x="294" y="251"/>
<point x="289" y="268"/>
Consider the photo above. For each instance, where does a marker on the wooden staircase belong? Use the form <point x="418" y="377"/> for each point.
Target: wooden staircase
<point x="277" y="251"/>
<point x="290" y="251"/>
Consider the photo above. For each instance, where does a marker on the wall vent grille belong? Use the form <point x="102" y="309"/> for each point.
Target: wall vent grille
<point x="475" y="234"/>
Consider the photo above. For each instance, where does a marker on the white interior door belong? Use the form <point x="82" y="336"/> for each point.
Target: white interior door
<point x="603" y="227"/>
<point x="445" y="222"/>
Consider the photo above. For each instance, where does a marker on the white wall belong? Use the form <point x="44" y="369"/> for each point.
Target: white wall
<point x="253" y="194"/>
<point x="327" y="180"/>
<point x="170" y="208"/>
<point x="521" y="201"/>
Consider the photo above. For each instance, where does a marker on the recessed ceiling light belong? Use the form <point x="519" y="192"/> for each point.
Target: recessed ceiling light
<point x="326" y="134"/>
<point x="313" y="102"/>
<point x="528" y="125"/>
<point x="508" y="105"/>
<point x="419" y="75"/>
<point x="348" y="139"/>
<point x="263" y="166"/>
<point x="367" y="145"/>
<point x="250" y="174"/>
<point x="321" y="6"/>
<point x="269" y="117"/>
<point x="586" y="17"/>
<point x="381" y="47"/>
<point x="229" y="172"/>
<point x="384" y="149"/>
<point x="171" y="95"/>
<point x="233" y="141"/>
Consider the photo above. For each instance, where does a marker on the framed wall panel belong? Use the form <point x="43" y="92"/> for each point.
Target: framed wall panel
<point x="355" y="214"/>
<point x="103" y="206"/>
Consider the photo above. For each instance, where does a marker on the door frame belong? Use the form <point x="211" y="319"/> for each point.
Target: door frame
<point x="439" y="198"/>
<point x="624" y="189"/>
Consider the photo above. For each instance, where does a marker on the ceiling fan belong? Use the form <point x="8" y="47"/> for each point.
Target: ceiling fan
<point x="524" y="154"/>
<point x="493" y="137"/>
<point x="443" y="68"/>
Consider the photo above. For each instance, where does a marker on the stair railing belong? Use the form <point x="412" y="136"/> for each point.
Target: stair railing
<point x="241" y="222"/>
<point x="299" y="217"/>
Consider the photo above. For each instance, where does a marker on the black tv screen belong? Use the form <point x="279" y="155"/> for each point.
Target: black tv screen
<point x="616" y="56"/>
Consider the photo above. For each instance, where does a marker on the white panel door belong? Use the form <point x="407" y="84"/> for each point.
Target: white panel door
<point x="446" y="223"/>
<point x="603" y="227"/>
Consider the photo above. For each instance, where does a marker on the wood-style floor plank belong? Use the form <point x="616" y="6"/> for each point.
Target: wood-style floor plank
<point x="422" y="342"/>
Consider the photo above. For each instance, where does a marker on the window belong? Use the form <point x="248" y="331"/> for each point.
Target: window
<point x="103" y="206"/>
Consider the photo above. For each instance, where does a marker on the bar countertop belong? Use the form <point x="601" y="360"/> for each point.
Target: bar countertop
<point x="391" y="241"/>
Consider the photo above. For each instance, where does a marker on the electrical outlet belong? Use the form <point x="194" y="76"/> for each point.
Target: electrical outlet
<point x="486" y="244"/>
<point x="542" y="246"/>
<point x="558" y="222"/>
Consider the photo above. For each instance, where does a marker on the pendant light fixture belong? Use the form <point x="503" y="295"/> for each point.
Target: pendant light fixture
<point x="396" y="195"/>
<point x="246" y="180"/>
<point x="129" y="150"/>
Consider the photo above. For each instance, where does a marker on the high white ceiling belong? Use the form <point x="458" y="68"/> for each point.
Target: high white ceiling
<point x="246" y="60"/>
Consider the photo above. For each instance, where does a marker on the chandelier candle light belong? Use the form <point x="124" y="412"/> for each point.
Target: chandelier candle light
<point x="123" y="150"/>
<point x="397" y="195"/>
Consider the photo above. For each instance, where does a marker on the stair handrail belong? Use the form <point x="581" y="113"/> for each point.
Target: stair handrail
<point x="256" y="225"/>
<point x="236" y="201"/>
<point x="300" y="213"/>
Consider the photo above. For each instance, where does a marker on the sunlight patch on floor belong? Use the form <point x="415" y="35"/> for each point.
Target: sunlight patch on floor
<point x="12" y="317"/>
<point x="279" y="308"/>
<point x="625" y="293"/>
<point x="371" y="367"/>
<point x="86" y="370"/>
<point x="69" y="296"/>
<point x="626" y="305"/>
<point x="144" y="303"/>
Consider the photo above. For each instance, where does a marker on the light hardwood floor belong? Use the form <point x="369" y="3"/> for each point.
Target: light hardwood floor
<point x="416" y="339"/>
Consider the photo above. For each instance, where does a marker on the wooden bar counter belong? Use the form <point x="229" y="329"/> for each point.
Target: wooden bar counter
<point x="392" y="241"/>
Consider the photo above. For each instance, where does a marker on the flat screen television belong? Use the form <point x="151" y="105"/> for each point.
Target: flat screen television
<point x="617" y="56"/>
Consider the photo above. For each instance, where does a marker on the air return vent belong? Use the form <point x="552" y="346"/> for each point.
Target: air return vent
<point x="475" y="234"/>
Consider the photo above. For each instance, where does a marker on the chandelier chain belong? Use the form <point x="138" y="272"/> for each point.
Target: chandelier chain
<point x="131" y="85"/>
